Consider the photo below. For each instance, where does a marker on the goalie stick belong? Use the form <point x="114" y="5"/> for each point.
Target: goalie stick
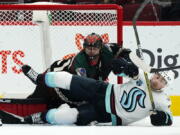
<point x="140" y="50"/>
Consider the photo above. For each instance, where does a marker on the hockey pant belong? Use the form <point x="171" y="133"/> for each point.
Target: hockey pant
<point x="90" y="90"/>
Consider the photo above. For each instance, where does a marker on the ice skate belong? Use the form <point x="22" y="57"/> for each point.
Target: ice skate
<point x="36" y="118"/>
<point x="30" y="73"/>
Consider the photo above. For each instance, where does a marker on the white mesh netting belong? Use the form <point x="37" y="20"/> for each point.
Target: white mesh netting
<point x="60" y="17"/>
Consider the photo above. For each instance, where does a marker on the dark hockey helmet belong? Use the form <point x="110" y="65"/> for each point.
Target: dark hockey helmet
<point x="93" y="40"/>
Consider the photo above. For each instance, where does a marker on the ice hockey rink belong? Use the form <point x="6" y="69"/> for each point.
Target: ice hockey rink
<point x="142" y="127"/>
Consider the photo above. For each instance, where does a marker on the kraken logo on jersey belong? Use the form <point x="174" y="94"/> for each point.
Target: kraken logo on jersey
<point x="135" y="96"/>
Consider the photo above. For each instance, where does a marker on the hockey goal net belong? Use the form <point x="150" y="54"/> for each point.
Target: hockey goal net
<point x="41" y="34"/>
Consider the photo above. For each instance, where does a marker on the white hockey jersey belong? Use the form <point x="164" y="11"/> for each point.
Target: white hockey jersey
<point x="130" y="101"/>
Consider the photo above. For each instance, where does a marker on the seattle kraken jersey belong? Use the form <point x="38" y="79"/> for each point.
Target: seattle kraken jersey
<point x="130" y="101"/>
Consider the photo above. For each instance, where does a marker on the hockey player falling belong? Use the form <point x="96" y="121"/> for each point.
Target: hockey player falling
<point x="123" y="103"/>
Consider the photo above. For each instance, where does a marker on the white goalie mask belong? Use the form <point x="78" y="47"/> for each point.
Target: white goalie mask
<point x="169" y="76"/>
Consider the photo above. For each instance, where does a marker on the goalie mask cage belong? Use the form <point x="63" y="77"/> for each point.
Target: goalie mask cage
<point x="41" y="34"/>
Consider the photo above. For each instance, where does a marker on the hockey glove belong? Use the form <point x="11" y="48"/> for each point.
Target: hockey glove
<point x="118" y="65"/>
<point x="125" y="54"/>
<point x="122" y="66"/>
<point x="160" y="118"/>
<point x="131" y="70"/>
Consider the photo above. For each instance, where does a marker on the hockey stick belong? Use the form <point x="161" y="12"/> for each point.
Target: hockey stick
<point x="146" y="68"/>
<point x="140" y="50"/>
<point x="1" y="123"/>
<point x="153" y="70"/>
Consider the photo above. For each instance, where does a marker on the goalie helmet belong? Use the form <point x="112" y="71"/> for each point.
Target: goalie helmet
<point x="169" y="76"/>
<point x="93" y="40"/>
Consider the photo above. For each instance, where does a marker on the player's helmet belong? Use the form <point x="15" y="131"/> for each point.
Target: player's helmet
<point x="169" y="76"/>
<point x="93" y="40"/>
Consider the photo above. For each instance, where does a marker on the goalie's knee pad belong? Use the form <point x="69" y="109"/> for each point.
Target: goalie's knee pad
<point x="64" y="115"/>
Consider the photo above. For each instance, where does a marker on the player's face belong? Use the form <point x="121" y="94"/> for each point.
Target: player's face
<point x="157" y="82"/>
<point x="92" y="51"/>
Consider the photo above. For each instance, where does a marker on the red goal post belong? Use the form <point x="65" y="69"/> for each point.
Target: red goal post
<point x="41" y="34"/>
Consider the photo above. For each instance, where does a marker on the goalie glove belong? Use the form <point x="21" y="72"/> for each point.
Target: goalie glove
<point x="160" y="118"/>
<point x="120" y="66"/>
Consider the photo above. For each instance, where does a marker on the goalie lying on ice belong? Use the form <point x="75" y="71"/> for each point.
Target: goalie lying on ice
<point x="120" y="103"/>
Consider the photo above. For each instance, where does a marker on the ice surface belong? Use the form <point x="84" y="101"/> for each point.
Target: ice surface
<point x="142" y="127"/>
